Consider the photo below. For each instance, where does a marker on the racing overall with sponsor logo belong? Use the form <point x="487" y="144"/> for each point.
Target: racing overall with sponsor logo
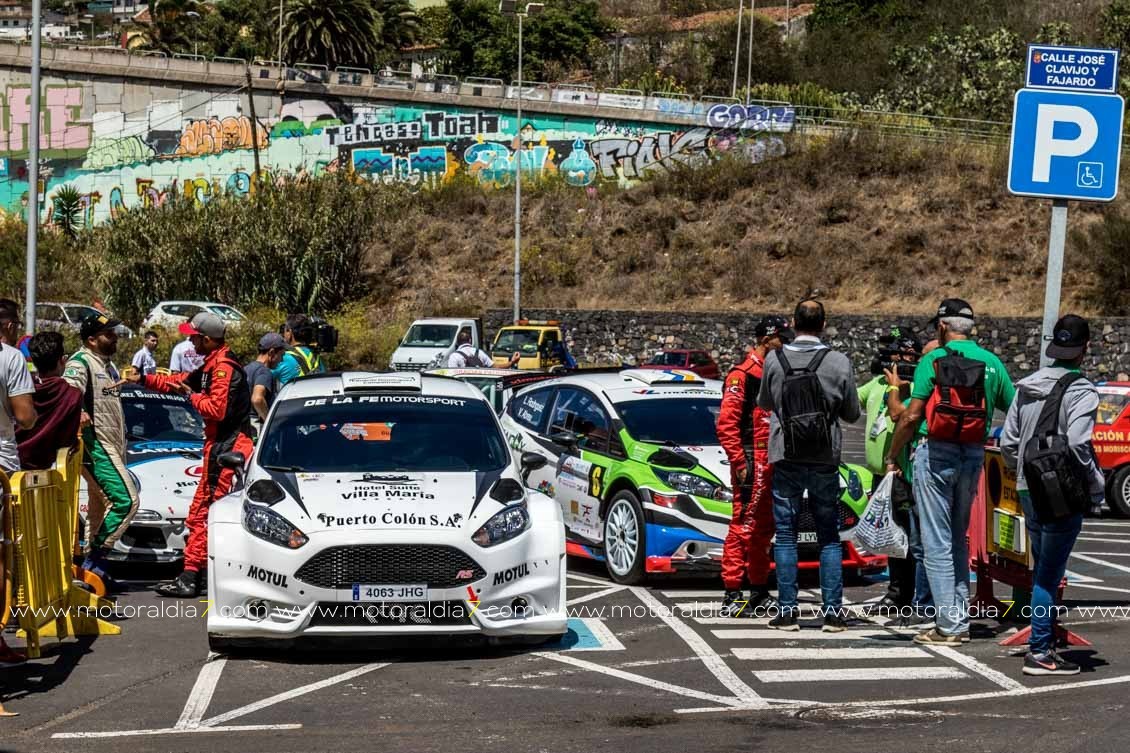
<point x="743" y="432"/>
<point x="114" y="500"/>
<point x="223" y="399"/>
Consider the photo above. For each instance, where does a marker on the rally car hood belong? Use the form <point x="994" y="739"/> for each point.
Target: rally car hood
<point x="711" y="458"/>
<point x="166" y="475"/>
<point x="386" y="501"/>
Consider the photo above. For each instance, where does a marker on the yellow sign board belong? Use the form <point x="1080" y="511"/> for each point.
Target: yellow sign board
<point x="1004" y="523"/>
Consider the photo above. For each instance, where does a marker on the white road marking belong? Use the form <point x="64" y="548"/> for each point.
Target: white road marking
<point x="1103" y="540"/>
<point x="595" y="595"/>
<point x="174" y="731"/>
<point x="967" y="661"/>
<point x="1119" y="534"/>
<point x="715" y="594"/>
<point x="578" y="587"/>
<point x="860" y="674"/>
<point x="817" y="654"/>
<point x="709" y="656"/>
<point x="1105" y="524"/>
<point x="1104" y="563"/>
<point x="1077" y="578"/>
<point x="289" y="694"/>
<point x="786" y="704"/>
<point x="1107" y="554"/>
<point x="586" y="579"/>
<point x="600" y="631"/>
<point x="647" y="681"/>
<point x="810" y="635"/>
<point x="201" y="694"/>
<point x="1102" y="588"/>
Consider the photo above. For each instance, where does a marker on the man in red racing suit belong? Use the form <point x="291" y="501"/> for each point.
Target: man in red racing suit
<point x="219" y="392"/>
<point x="743" y="432"/>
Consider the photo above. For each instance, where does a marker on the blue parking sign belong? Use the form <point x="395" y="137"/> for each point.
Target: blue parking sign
<point x="1065" y="145"/>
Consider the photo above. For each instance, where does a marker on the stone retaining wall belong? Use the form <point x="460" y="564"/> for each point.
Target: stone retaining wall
<point x="603" y="337"/>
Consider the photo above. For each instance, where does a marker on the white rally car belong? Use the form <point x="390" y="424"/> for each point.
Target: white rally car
<point x="164" y="442"/>
<point x="379" y="505"/>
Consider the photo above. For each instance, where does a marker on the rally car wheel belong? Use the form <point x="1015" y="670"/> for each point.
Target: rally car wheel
<point x="624" y="536"/>
<point x="1118" y="492"/>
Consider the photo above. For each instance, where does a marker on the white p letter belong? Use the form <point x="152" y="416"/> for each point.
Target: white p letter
<point x="1047" y="146"/>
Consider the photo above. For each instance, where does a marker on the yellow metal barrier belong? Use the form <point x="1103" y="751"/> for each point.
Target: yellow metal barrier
<point x="44" y="507"/>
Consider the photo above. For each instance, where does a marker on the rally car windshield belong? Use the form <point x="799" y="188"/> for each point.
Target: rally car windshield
<point x="429" y="336"/>
<point x="684" y="421"/>
<point x="520" y="340"/>
<point x="154" y="417"/>
<point x="384" y="433"/>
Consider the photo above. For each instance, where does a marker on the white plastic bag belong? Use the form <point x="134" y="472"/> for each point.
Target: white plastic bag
<point x="877" y="531"/>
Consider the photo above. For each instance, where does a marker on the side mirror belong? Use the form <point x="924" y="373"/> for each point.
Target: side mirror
<point x="532" y="461"/>
<point x="233" y="461"/>
<point x="565" y="438"/>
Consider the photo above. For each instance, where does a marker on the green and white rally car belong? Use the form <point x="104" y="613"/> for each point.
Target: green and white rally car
<point x="642" y="482"/>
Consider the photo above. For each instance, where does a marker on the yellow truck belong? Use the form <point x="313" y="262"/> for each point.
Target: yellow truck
<point x="541" y="344"/>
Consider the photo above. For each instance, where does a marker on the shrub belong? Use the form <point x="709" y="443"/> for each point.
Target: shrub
<point x="1103" y="246"/>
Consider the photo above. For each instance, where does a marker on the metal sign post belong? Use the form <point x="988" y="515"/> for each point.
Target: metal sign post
<point x="33" y="171"/>
<point x="1066" y="144"/>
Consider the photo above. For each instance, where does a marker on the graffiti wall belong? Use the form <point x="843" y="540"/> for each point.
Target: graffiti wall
<point x="124" y="146"/>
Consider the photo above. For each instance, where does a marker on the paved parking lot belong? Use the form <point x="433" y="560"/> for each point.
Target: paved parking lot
<point x="643" y="669"/>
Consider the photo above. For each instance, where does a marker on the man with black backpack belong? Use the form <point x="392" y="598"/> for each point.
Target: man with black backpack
<point x="1047" y="439"/>
<point x="956" y="389"/>
<point x="808" y="388"/>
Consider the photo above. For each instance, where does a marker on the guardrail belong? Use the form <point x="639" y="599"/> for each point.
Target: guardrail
<point x="761" y="115"/>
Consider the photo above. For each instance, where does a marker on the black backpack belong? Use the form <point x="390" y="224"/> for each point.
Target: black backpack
<point x="1057" y="482"/>
<point x="803" y="411"/>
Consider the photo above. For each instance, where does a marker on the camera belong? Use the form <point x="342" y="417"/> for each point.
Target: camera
<point x="883" y="361"/>
<point x="317" y="334"/>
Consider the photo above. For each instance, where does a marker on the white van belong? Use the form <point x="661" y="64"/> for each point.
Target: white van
<point x="428" y="343"/>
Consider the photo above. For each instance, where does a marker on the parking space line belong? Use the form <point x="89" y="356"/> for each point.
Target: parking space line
<point x="1101" y="588"/>
<point x="1107" y="554"/>
<point x="810" y="635"/>
<point x="289" y="694"/>
<point x="595" y="595"/>
<point x="967" y="661"/>
<point x="201" y="694"/>
<point x="1104" y="563"/>
<point x="1077" y="578"/>
<point x="714" y="663"/>
<point x="1102" y="540"/>
<point x="860" y="674"/>
<point x="173" y="731"/>
<point x="647" y="681"/>
<point x="816" y="654"/>
<point x="586" y="579"/>
<point x="715" y="594"/>
<point x="1105" y="524"/>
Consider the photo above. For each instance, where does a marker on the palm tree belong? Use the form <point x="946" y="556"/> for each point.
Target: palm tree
<point x="332" y="32"/>
<point x="402" y="25"/>
<point x="67" y="212"/>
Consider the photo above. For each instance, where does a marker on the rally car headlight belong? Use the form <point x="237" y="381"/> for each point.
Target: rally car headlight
<point x="504" y="525"/>
<point x="147" y="516"/>
<point x="688" y="483"/>
<point x="268" y="525"/>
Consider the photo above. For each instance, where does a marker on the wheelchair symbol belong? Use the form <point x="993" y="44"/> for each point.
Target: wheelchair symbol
<point x="1089" y="175"/>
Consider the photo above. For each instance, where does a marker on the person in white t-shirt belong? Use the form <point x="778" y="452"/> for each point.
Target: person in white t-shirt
<point x="17" y="407"/>
<point x="143" y="359"/>
<point x="184" y="357"/>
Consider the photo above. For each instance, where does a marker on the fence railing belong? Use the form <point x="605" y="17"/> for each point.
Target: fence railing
<point x="726" y="112"/>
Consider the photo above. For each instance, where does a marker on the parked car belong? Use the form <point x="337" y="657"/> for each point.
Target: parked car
<point x="67" y="317"/>
<point x="698" y="361"/>
<point x="541" y="344"/>
<point x="429" y="342"/>
<point x="171" y="314"/>
<point x="1112" y="444"/>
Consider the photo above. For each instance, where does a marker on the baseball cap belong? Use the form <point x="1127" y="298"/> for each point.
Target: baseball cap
<point x="1069" y="338"/>
<point x="95" y="324"/>
<point x="270" y="341"/>
<point x="952" y="308"/>
<point x="773" y="325"/>
<point x="205" y="324"/>
<point x="901" y="338"/>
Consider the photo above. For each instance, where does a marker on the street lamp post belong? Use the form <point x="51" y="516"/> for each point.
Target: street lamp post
<point x="737" y="50"/>
<point x="510" y="7"/>
<point x="749" y="57"/>
<point x="195" y="32"/>
<point x="33" y="168"/>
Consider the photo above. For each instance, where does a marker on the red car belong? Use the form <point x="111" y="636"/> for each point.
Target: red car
<point x="698" y="361"/>
<point x="1112" y="443"/>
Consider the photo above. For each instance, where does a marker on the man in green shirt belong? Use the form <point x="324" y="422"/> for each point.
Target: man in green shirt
<point x="882" y="401"/>
<point x="947" y="471"/>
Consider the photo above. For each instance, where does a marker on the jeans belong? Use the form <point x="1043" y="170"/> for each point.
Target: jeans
<point x="790" y="481"/>
<point x="1051" y="545"/>
<point x="945" y="480"/>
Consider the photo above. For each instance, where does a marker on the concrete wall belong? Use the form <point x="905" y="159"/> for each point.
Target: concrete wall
<point x="129" y="131"/>
<point x="609" y="336"/>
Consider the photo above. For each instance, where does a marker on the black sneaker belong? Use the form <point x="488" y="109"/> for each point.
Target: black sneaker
<point x="784" y="621"/>
<point x="184" y="586"/>
<point x="761" y="600"/>
<point x="733" y="604"/>
<point x="834" y="623"/>
<point x="1048" y="664"/>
